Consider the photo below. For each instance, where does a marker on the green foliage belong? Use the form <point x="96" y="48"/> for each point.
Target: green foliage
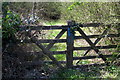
<point x="71" y="7"/>
<point x="51" y="11"/>
<point x="87" y="12"/>
<point x="65" y="74"/>
<point x="10" y="23"/>
<point x="111" y="71"/>
<point x="92" y="73"/>
<point x="112" y="68"/>
<point x="72" y="74"/>
<point x="43" y="10"/>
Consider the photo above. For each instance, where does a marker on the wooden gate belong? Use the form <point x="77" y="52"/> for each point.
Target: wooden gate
<point x="70" y="28"/>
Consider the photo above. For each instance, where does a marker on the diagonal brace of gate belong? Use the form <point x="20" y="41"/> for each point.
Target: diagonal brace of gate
<point x="45" y="50"/>
<point x="91" y="44"/>
<point x="57" y="37"/>
<point x="98" y="39"/>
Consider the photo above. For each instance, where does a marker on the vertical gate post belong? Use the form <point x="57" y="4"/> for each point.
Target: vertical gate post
<point x="70" y="44"/>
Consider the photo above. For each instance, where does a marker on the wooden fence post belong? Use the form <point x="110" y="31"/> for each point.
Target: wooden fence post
<point x="70" y="43"/>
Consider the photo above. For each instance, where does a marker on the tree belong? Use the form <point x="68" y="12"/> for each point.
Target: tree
<point x="10" y="23"/>
<point x="42" y="10"/>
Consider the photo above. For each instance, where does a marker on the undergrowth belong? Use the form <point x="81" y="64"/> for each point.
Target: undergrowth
<point x="86" y="73"/>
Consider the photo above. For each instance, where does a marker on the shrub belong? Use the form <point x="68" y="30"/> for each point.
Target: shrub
<point x="10" y="24"/>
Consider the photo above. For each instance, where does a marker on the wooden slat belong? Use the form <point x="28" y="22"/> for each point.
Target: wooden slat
<point x="97" y="36"/>
<point x="90" y="57"/>
<point x="24" y="27"/>
<point x="52" y="40"/>
<point x="98" y="47"/>
<point x="97" y="24"/>
<point x="89" y="65"/>
<point x="50" y="62"/>
<point x="59" y="52"/>
<point x="23" y="41"/>
<point x="91" y="25"/>
<point x="52" y="52"/>
<point x="57" y="37"/>
<point x="56" y="40"/>
<point x="37" y="63"/>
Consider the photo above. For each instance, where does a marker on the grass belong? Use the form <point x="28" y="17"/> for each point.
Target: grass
<point x="59" y="22"/>
<point x="92" y="73"/>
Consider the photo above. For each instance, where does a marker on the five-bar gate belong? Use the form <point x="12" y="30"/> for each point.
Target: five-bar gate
<point x="70" y="28"/>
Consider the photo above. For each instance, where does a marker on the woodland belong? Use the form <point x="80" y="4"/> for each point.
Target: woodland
<point x="24" y="59"/>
